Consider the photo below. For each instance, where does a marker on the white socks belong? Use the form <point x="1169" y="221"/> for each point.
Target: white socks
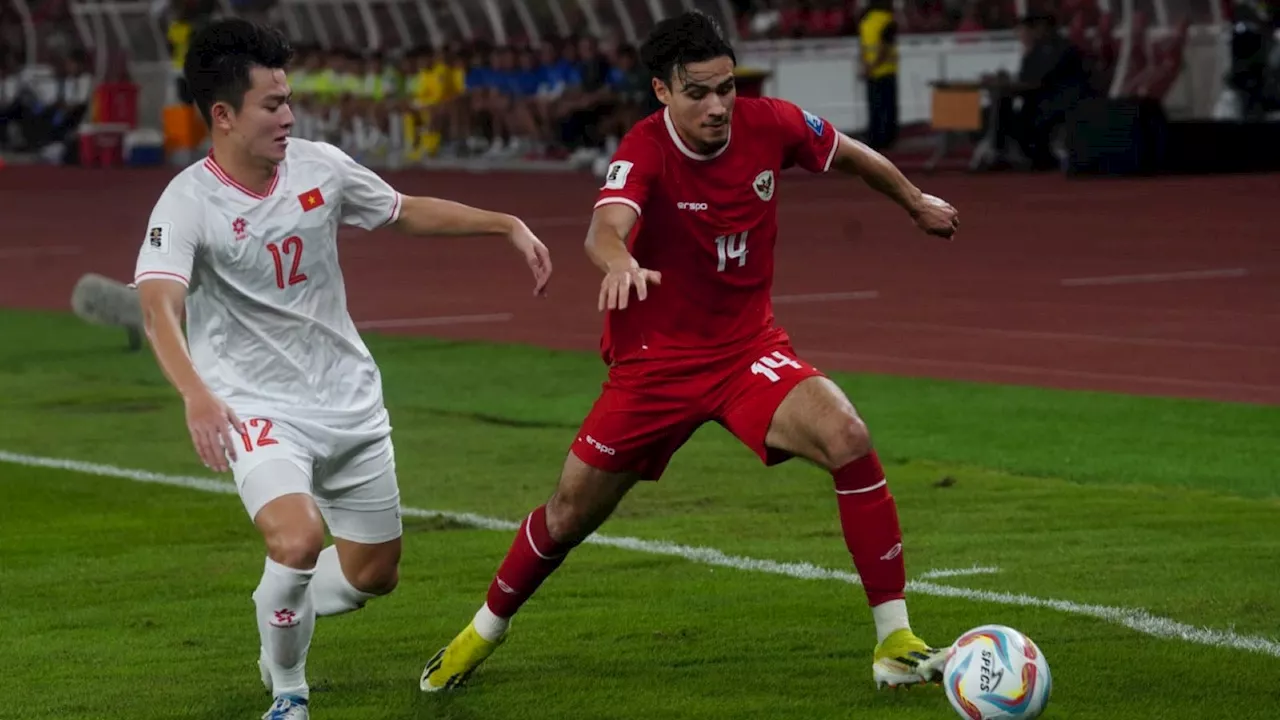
<point x="331" y="592"/>
<point x="889" y="616"/>
<point x="490" y="626"/>
<point x="286" y="621"/>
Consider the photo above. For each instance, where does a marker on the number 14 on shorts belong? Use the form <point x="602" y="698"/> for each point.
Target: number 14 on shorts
<point x="771" y="363"/>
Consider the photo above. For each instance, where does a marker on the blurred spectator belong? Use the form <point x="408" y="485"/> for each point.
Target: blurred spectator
<point x="56" y="102"/>
<point x="481" y="94"/>
<point x="763" y="21"/>
<point x="10" y="94"/>
<point x="178" y="34"/>
<point x="758" y="19"/>
<point x="878" y="37"/>
<point x="633" y="97"/>
<point x="1253" y="79"/>
<point x="559" y="77"/>
<point x="1052" y="79"/>
<point x="970" y="19"/>
<point x="564" y="98"/>
<point x="510" y="93"/>
<point x="435" y="88"/>
<point x="589" y="104"/>
<point x="75" y="85"/>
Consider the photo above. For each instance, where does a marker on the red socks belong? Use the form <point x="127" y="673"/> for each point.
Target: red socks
<point x="869" y="518"/>
<point x="533" y="556"/>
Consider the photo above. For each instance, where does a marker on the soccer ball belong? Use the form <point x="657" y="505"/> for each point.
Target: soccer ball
<point x="994" y="672"/>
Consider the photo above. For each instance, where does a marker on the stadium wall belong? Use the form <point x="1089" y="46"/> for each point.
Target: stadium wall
<point x="822" y="75"/>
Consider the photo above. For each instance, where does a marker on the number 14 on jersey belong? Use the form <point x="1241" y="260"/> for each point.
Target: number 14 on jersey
<point x="731" y="247"/>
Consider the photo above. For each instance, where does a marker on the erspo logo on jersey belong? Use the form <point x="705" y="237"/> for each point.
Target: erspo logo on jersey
<point x="814" y="122"/>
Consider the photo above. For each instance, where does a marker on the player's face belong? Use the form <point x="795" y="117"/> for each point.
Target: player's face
<point x="263" y="123"/>
<point x="700" y="99"/>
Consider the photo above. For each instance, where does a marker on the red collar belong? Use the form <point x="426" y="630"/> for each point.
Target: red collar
<point x="212" y="166"/>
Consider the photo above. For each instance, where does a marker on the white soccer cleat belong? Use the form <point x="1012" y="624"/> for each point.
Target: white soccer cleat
<point x="288" y="707"/>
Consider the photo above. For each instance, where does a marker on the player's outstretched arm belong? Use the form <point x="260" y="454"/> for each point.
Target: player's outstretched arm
<point x="208" y="418"/>
<point x="434" y="216"/>
<point x="606" y="245"/>
<point x="931" y="214"/>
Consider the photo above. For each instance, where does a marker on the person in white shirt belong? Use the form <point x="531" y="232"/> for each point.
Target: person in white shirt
<point x="75" y="86"/>
<point x="278" y="386"/>
<point x="10" y="92"/>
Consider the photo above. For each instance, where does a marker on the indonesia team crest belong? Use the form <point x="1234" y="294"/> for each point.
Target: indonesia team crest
<point x="763" y="185"/>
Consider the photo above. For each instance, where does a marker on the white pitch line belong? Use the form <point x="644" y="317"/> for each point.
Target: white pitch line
<point x="433" y="321"/>
<point x="826" y="297"/>
<point x="959" y="572"/>
<point x="1155" y="277"/>
<point x="1135" y="619"/>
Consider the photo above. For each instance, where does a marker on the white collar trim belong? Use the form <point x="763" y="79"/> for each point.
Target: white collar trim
<point x="675" y="138"/>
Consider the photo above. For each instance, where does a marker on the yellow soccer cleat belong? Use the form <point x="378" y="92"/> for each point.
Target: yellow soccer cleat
<point x="904" y="659"/>
<point x="452" y="666"/>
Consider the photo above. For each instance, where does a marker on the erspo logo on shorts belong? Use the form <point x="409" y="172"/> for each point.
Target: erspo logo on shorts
<point x="600" y="446"/>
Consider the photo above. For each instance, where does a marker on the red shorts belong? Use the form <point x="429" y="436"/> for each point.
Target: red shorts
<point x="650" y="408"/>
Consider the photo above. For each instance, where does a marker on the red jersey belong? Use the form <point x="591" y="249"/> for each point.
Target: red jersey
<point x="708" y="223"/>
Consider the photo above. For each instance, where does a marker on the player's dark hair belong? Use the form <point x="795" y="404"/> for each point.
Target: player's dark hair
<point x="222" y="54"/>
<point x="689" y="37"/>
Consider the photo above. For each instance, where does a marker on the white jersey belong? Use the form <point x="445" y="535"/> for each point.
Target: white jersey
<point x="267" y="320"/>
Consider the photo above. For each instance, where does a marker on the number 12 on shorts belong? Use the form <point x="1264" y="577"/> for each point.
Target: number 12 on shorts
<point x="775" y="361"/>
<point x="731" y="247"/>
<point x="263" y="439"/>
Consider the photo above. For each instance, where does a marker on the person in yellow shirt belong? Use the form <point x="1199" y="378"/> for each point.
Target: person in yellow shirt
<point x="878" y="36"/>
<point x="432" y="88"/>
<point x="425" y="89"/>
<point x="178" y="33"/>
<point x="439" y="85"/>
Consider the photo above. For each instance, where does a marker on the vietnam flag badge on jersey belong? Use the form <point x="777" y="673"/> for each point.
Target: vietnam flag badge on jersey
<point x="311" y="199"/>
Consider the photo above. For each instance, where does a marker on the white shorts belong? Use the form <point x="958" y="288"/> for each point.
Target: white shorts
<point x="351" y="473"/>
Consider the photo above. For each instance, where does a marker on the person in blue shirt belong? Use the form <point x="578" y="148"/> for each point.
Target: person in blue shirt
<point x="528" y="76"/>
<point x="478" y="98"/>
<point x="559" y="73"/>
<point x="559" y="90"/>
<point x="626" y="97"/>
<point x="514" y="130"/>
<point x="480" y="76"/>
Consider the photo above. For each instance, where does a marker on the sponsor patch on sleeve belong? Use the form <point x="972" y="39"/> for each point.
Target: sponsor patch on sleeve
<point x="616" y="177"/>
<point x="158" y="238"/>
<point x="814" y="122"/>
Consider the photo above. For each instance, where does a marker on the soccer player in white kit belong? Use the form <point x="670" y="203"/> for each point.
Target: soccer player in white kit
<point x="278" y="386"/>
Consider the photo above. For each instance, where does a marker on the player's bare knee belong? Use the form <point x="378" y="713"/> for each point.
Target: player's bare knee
<point x="583" y="500"/>
<point x="296" y="547"/>
<point x="377" y="578"/>
<point x="844" y="440"/>
<point x="569" y="517"/>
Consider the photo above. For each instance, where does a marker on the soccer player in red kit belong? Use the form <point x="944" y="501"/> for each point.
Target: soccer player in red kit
<point x="690" y="336"/>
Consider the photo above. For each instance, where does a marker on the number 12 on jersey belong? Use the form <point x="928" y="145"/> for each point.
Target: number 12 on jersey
<point x="731" y="247"/>
<point x="292" y="245"/>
